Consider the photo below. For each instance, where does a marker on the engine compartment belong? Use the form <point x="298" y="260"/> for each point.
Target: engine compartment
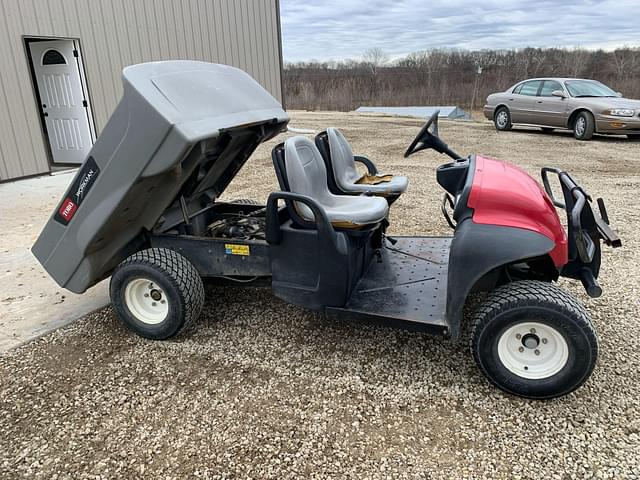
<point x="239" y="226"/>
<point x="241" y="220"/>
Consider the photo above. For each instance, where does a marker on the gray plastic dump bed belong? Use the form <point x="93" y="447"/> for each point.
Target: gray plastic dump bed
<point x="183" y="129"/>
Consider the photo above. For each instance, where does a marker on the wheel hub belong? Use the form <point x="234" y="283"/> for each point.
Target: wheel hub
<point x="533" y="350"/>
<point x="146" y="301"/>
<point x="530" y="340"/>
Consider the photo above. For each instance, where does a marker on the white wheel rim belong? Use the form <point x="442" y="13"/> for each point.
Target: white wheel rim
<point x="533" y="350"/>
<point x="502" y="119"/>
<point x="580" y="126"/>
<point x="146" y="301"/>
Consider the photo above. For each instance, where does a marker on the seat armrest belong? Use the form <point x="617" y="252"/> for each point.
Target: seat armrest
<point x="368" y="163"/>
<point x="323" y="225"/>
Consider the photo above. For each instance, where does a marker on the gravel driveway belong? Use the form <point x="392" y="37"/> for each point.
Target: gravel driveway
<point x="263" y="389"/>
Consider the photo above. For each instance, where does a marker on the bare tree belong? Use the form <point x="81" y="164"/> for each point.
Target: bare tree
<point x="373" y="59"/>
<point x="575" y="61"/>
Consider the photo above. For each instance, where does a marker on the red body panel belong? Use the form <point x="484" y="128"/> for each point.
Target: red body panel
<point x="503" y="194"/>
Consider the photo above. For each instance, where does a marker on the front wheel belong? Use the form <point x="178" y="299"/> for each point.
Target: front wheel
<point x="584" y="126"/>
<point x="532" y="339"/>
<point x="502" y="119"/>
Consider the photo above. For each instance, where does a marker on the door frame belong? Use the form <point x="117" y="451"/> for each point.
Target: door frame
<point x="26" y="40"/>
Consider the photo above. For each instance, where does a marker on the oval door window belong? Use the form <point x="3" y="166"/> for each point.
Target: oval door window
<point x="53" y="57"/>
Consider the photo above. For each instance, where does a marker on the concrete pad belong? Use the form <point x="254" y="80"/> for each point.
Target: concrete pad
<point x="31" y="303"/>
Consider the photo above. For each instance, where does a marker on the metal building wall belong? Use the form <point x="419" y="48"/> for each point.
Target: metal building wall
<point x="117" y="33"/>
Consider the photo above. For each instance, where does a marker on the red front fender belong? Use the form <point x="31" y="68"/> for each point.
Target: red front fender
<point x="505" y="195"/>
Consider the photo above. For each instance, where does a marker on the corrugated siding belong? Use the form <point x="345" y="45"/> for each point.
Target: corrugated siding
<point x="117" y="33"/>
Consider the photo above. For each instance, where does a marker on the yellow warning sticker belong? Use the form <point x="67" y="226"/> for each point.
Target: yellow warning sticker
<point x="232" y="249"/>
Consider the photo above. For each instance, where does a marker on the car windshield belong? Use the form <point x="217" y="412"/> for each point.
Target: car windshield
<point x="587" y="88"/>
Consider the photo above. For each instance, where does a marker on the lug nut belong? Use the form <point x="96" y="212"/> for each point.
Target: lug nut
<point x="544" y="340"/>
<point x="536" y="351"/>
<point x="153" y="304"/>
<point x="518" y="336"/>
<point x="146" y="294"/>
<point x="521" y="349"/>
<point x="162" y="301"/>
<point x="533" y="330"/>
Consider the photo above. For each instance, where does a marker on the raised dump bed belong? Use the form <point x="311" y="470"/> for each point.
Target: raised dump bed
<point x="179" y="135"/>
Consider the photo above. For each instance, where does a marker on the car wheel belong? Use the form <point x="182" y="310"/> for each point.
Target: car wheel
<point x="157" y="293"/>
<point x="584" y="126"/>
<point x="547" y="129"/>
<point x="502" y="119"/>
<point x="633" y="136"/>
<point x="532" y="339"/>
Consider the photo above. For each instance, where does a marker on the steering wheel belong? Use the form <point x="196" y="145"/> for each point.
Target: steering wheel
<point x="425" y="138"/>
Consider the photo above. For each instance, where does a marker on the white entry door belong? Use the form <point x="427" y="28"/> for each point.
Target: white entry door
<point x="63" y="101"/>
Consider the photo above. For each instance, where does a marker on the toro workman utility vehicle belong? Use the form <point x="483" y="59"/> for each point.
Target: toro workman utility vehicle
<point x="144" y="209"/>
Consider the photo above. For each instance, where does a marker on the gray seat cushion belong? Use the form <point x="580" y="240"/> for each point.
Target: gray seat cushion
<point x="306" y="174"/>
<point x="346" y="174"/>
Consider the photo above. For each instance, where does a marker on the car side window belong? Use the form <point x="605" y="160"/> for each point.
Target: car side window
<point x="518" y="88"/>
<point x="530" y="88"/>
<point x="548" y="87"/>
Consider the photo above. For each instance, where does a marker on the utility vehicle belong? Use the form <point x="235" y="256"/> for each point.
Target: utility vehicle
<point x="144" y="210"/>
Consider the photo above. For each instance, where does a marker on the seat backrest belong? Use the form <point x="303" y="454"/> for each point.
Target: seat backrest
<point x="342" y="162"/>
<point x="322" y="142"/>
<point x="305" y="173"/>
<point x="277" y="155"/>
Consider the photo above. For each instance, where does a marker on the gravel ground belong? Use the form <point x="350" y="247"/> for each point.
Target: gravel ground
<point x="263" y="389"/>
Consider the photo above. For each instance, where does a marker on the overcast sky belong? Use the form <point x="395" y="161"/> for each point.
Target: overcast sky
<point x="338" y="29"/>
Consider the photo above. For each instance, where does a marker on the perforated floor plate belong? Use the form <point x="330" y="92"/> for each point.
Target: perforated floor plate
<point x="407" y="285"/>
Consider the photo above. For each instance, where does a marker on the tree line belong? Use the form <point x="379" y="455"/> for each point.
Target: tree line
<point x="449" y="77"/>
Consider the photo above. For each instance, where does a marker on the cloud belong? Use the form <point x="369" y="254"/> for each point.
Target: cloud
<point x="339" y="29"/>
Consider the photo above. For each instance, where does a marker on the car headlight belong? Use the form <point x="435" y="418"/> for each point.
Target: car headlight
<point x="620" y="112"/>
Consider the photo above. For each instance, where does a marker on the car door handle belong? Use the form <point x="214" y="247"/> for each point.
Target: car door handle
<point x="511" y="99"/>
<point x="539" y="101"/>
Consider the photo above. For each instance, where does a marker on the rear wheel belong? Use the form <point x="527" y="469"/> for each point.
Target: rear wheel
<point x="157" y="293"/>
<point x="502" y="119"/>
<point x="584" y="126"/>
<point x="532" y="339"/>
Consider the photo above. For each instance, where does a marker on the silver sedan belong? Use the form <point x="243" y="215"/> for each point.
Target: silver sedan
<point x="584" y="106"/>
